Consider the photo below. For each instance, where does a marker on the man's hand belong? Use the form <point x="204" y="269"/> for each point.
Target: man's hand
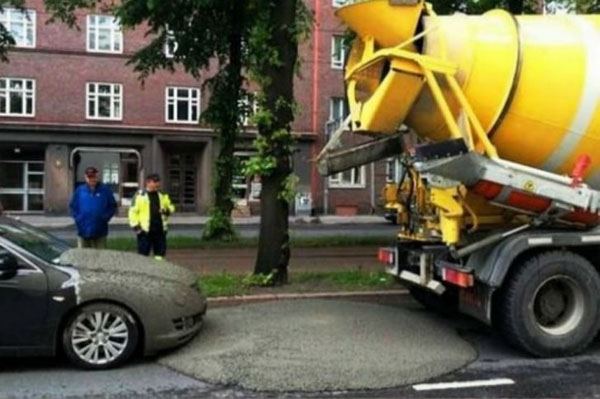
<point x="165" y="212"/>
<point x="137" y="229"/>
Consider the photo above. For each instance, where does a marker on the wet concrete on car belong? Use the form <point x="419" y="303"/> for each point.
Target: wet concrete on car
<point x="320" y="345"/>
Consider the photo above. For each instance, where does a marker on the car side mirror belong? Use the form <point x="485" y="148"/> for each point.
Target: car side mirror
<point x="8" y="265"/>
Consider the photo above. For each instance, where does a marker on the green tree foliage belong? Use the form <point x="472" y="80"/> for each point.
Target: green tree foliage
<point x="209" y="36"/>
<point x="280" y="26"/>
<point x="260" y="37"/>
<point x="581" y="6"/>
<point x="516" y="6"/>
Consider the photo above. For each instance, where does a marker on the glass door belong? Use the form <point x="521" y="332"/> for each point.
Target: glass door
<point x="22" y="186"/>
<point x="181" y="184"/>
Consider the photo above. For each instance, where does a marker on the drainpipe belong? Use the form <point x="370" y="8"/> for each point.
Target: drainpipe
<point x="315" y="178"/>
<point x="372" y="187"/>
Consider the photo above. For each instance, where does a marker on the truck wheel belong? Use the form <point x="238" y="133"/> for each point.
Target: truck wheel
<point x="550" y="305"/>
<point x="446" y="304"/>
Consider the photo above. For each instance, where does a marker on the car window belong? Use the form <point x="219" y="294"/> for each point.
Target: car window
<point x="34" y="241"/>
<point x="21" y="262"/>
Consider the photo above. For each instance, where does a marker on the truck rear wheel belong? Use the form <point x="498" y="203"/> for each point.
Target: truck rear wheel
<point x="550" y="305"/>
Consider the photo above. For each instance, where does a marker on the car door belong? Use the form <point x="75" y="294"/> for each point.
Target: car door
<point x="23" y="303"/>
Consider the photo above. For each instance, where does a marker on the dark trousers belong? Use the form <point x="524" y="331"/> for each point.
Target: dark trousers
<point x="155" y="241"/>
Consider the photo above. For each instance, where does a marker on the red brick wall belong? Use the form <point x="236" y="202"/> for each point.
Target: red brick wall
<point x="62" y="66"/>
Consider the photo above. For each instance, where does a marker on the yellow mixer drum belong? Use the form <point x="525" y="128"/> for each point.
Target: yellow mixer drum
<point x="533" y="81"/>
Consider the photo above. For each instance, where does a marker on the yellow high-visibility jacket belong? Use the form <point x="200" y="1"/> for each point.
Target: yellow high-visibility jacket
<point x="139" y="213"/>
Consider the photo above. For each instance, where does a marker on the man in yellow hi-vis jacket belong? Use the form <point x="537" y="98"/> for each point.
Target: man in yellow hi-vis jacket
<point x="148" y="216"/>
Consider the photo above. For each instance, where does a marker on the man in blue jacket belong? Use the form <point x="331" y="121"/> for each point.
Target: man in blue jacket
<point x="92" y="207"/>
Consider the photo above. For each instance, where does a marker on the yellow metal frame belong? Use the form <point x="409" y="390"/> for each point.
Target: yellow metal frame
<point x="443" y="210"/>
<point x="428" y="67"/>
<point x="448" y="202"/>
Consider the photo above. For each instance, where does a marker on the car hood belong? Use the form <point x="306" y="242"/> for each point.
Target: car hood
<point x="125" y="264"/>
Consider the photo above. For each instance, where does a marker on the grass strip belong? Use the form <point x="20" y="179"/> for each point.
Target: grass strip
<point x="228" y="284"/>
<point x="190" y="242"/>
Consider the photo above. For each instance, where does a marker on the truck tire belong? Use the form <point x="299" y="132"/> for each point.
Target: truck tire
<point x="550" y="305"/>
<point x="446" y="304"/>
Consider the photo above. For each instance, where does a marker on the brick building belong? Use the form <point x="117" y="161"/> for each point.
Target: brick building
<point x="68" y="100"/>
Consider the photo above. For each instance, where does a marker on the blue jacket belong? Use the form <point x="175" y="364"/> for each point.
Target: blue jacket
<point x="92" y="210"/>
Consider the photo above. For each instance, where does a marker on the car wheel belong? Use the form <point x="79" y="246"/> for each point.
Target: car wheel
<point x="550" y="306"/>
<point x="100" y="336"/>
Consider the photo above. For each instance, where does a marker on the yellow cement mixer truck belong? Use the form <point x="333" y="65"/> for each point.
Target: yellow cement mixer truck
<point x="500" y="201"/>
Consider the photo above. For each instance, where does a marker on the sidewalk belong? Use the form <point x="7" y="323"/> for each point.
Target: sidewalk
<point x="57" y="222"/>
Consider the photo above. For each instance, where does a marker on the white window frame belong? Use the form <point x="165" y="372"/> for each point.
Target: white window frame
<point x="337" y="102"/>
<point x="24" y="190"/>
<point x="245" y="103"/>
<point x="244" y="156"/>
<point x="174" y="99"/>
<point x="30" y="18"/>
<point x="335" y="181"/>
<point x="338" y="3"/>
<point x="25" y="93"/>
<point x="96" y="95"/>
<point x="116" y="33"/>
<point x="397" y="172"/>
<point x="171" y="44"/>
<point x="337" y="62"/>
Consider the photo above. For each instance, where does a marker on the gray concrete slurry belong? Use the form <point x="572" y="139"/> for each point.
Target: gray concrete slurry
<point x="318" y="345"/>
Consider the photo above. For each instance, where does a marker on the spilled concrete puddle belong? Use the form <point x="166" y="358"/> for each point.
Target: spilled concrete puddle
<point x="318" y="345"/>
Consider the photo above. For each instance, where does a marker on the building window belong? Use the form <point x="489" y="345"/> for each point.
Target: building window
<point x="337" y="109"/>
<point x="353" y="178"/>
<point x="104" y="34"/>
<point x="338" y="52"/>
<point x="110" y="172"/>
<point x="171" y="44"/>
<point x="183" y="105"/>
<point x="21" y="26"/>
<point x="17" y="97"/>
<point x="22" y="186"/>
<point x="240" y="183"/>
<point x="104" y="101"/>
<point x="339" y="3"/>
<point x="248" y="108"/>
<point x="394" y="170"/>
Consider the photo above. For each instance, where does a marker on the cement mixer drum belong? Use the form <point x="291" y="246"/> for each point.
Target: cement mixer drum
<point x="532" y="81"/>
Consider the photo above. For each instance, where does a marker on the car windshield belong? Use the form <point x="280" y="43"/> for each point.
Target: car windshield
<point x="34" y="240"/>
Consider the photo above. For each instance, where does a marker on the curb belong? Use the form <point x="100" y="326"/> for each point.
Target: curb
<point x="223" y="301"/>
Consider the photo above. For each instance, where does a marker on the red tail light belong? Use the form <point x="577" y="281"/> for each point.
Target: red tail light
<point x="386" y="255"/>
<point x="457" y="277"/>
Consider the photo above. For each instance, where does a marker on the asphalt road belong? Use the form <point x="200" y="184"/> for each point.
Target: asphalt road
<point x="525" y="377"/>
<point x="248" y="231"/>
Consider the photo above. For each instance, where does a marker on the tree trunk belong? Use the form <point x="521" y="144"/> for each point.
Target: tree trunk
<point x="226" y="92"/>
<point x="273" y="246"/>
<point x="539" y="6"/>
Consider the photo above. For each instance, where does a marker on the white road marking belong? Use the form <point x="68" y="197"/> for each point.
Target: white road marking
<point x="464" y="384"/>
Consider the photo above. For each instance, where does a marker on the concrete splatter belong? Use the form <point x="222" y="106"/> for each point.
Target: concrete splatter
<point x="320" y="345"/>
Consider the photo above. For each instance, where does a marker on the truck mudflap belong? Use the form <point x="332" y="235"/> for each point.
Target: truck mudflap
<point x="476" y="302"/>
